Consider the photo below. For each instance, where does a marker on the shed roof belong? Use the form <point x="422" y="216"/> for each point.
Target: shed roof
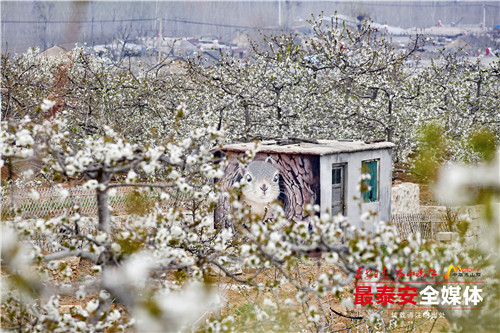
<point x="54" y="51"/>
<point x="321" y="147"/>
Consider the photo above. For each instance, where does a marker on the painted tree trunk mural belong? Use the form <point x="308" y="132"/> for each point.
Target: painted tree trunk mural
<point x="297" y="175"/>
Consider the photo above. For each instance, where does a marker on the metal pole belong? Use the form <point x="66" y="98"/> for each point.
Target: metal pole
<point x="160" y="39"/>
<point x="92" y="24"/>
<point x="484" y="17"/>
<point x="279" y="13"/>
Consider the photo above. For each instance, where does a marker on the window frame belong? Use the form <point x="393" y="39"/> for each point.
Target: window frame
<point x="368" y="195"/>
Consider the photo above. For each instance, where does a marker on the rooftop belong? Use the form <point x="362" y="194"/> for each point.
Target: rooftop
<point x="309" y="147"/>
<point x="54" y="51"/>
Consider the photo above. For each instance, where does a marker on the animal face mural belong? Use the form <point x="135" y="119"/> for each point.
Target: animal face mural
<point x="262" y="186"/>
<point x="292" y="180"/>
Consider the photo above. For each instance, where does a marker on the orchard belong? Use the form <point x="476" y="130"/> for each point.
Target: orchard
<point x="106" y="125"/>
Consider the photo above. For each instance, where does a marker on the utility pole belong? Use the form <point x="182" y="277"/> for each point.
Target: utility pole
<point x="279" y="13"/>
<point x="92" y="24"/>
<point x="484" y="17"/>
<point x="160" y="38"/>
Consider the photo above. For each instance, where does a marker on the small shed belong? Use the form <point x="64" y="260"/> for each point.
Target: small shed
<point x="323" y="172"/>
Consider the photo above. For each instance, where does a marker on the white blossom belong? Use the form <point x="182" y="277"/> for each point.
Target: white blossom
<point x="91" y="184"/>
<point x="80" y="294"/>
<point x="34" y="195"/>
<point x="47" y="104"/>
<point x="131" y="177"/>
<point x="92" y="305"/>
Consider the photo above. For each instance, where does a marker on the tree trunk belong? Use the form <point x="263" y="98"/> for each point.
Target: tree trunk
<point x="389" y="128"/>
<point x="279" y="114"/>
<point x="103" y="211"/>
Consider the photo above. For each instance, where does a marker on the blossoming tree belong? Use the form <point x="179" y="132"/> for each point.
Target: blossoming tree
<point x="100" y="123"/>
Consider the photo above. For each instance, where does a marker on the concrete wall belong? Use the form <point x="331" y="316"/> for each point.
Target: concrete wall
<point x="472" y="214"/>
<point x="405" y="199"/>
<point x="355" y="206"/>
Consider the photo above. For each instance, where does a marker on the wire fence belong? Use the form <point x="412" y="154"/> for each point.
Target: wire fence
<point x="53" y="201"/>
<point x="428" y="225"/>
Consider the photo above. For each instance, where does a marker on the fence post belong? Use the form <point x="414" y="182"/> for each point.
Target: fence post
<point x="432" y="229"/>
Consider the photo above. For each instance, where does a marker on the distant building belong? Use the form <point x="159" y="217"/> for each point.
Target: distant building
<point x="54" y="51"/>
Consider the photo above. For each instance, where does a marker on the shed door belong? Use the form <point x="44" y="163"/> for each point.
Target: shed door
<point x="338" y="186"/>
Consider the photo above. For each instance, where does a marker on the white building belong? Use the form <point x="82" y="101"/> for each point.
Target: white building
<point x="327" y="173"/>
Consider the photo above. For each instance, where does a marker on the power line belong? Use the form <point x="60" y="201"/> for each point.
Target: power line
<point x="218" y="24"/>
<point x="135" y="20"/>
<point x="435" y="4"/>
<point x="76" y="21"/>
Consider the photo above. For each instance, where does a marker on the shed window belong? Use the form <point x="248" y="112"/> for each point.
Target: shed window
<point x="370" y="168"/>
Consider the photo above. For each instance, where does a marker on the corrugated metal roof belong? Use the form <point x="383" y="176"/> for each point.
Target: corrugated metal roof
<point x="322" y="147"/>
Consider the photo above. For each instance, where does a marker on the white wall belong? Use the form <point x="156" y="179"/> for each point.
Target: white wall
<point x="355" y="206"/>
<point x="405" y="199"/>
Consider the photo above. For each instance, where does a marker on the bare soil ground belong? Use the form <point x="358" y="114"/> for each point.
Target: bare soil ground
<point x="306" y="272"/>
<point x="238" y="296"/>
